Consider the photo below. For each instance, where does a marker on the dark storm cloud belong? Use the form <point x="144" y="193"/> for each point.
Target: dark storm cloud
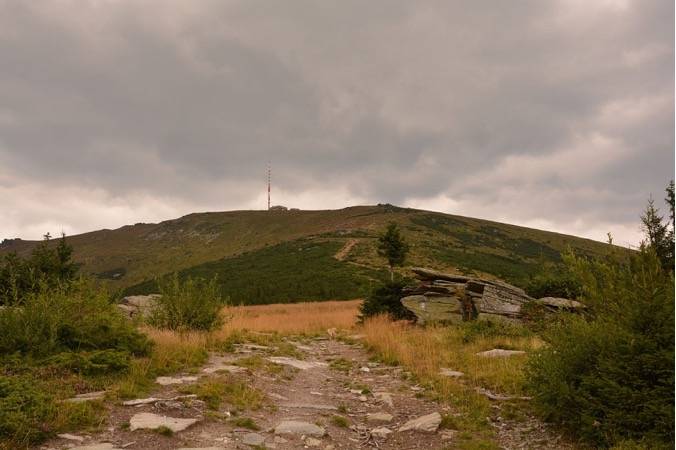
<point x="553" y="114"/>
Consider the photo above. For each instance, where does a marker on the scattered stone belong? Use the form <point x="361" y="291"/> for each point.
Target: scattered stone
<point x="310" y="406"/>
<point x="450" y="373"/>
<point x="100" y="446"/>
<point x="499" y="397"/>
<point x="298" y="364"/>
<point x="384" y="397"/>
<point x="277" y="396"/>
<point x="365" y="369"/>
<point x="558" y="303"/>
<point x="316" y="393"/>
<point x="299" y="428"/>
<point x="379" y="417"/>
<point x="141" y="305"/>
<point x="280" y="440"/>
<point x="152" y="421"/>
<point x="253" y="439"/>
<point x="362" y="398"/>
<point x="70" y="437"/>
<point x="381" y="432"/>
<point x="87" y="397"/>
<point x="224" y="368"/>
<point x="252" y="347"/>
<point x="201" y="448"/>
<point x="146" y="401"/>
<point x="448" y="435"/>
<point x="312" y="442"/>
<point x="500" y="353"/>
<point x="356" y="391"/>
<point x="166" y="381"/>
<point x="428" y="424"/>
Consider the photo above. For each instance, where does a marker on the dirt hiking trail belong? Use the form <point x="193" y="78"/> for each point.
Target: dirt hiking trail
<point x="326" y="395"/>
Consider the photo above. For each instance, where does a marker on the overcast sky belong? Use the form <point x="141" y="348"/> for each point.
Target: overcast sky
<point x="551" y="114"/>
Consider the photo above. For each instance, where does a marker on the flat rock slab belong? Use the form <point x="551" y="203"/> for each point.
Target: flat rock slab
<point x="223" y="368"/>
<point x="166" y="381"/>
<point x="201" y="448"/>
<point x="89" y="396"/>
<point x="380" y="432"/>
<point x="146" y="401"/>
<point x="310" y="406"/>
<point x="299" y="428"/>
<point x="384" y="397"/>
<point x="101" y="446"/>
<point x="152" y="421"/>
<point x="450" y="373"/>
<point x="379" y="417"/>
<point x="297" y="363"/>
<point x="70" y="437"/>
<point x="253" y="439"/>
<point x="428" y="424"/>
<point x="500" y="353"/>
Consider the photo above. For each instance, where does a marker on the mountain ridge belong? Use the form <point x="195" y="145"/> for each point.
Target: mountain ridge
<point x="134" y="254"/>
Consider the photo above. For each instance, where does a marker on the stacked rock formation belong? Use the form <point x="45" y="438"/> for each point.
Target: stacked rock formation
<point x="450" y="298"/>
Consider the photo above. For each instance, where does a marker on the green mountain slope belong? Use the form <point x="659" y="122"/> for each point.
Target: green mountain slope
<point x="262" y="256"/>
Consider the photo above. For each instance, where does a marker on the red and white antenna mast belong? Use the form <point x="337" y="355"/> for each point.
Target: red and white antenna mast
<point x="269" y="176"/>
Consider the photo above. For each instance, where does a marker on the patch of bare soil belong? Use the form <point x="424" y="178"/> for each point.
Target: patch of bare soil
<point x="345" y="250"/>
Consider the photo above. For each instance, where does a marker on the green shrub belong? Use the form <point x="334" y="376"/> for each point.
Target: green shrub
<point x="562" y="285"/>
<point x="24" y="411"/>
<point x="608" y="376"/>
<point x="77" y="317"/>
<point x="386" y="299"/>
<point x="192" y="304"/>
<point x="91" y="363"/>
<point x="477" y="329"/>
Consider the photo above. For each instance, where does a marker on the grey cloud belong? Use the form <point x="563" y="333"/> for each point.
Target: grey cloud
<point x="388" y="101"/>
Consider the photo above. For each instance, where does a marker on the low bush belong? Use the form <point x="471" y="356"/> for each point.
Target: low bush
<point x="191" y="304"/>
<point x="386" y="299"/>
<point x="552" y="284"/>
<point x="482" y="329"/>
<point x="608" y="376"/>
<point x="72" y="318"/>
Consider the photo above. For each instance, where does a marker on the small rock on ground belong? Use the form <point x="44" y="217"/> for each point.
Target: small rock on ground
<point x="298" y="364"/>
<point x="253" y="439"/>
<point x="499" y="352"/>
<point x="450" y="373"/>
<point x="152" y="421"/>
<point x="70" y="437"/>
<point x="166" y="381"/>
<point x="379" y="417"/>
<point x="300" y="428"/>
<point x="380" y="432"/>
<point x="101" y="446"/>
<point x="428" y="424"/>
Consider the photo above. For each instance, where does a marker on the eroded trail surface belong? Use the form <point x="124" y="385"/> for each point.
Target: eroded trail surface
<point x="317" y="393"/>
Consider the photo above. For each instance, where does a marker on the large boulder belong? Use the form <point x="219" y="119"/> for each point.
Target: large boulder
<point x="451" y="298"/>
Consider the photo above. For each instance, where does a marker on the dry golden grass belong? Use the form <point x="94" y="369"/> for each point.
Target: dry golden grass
<point x="425" y="350"/>
<point x="295" y="318"/>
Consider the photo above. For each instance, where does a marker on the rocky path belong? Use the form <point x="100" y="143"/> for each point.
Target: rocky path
<point x="345" y="250"/>
<point x="326" y="396"/>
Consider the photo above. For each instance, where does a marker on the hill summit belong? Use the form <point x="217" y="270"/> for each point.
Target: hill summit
<point x="293" y="255"/>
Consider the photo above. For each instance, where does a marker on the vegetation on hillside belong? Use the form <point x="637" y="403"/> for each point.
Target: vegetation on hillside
<point x="303" y="270"/>
<point x="138" y="253"/>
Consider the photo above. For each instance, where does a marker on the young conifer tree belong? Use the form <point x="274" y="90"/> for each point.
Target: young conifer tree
<point x="393" y="247"/>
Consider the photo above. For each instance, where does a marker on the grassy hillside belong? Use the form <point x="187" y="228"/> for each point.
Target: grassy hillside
<point x="262" y="256"/>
